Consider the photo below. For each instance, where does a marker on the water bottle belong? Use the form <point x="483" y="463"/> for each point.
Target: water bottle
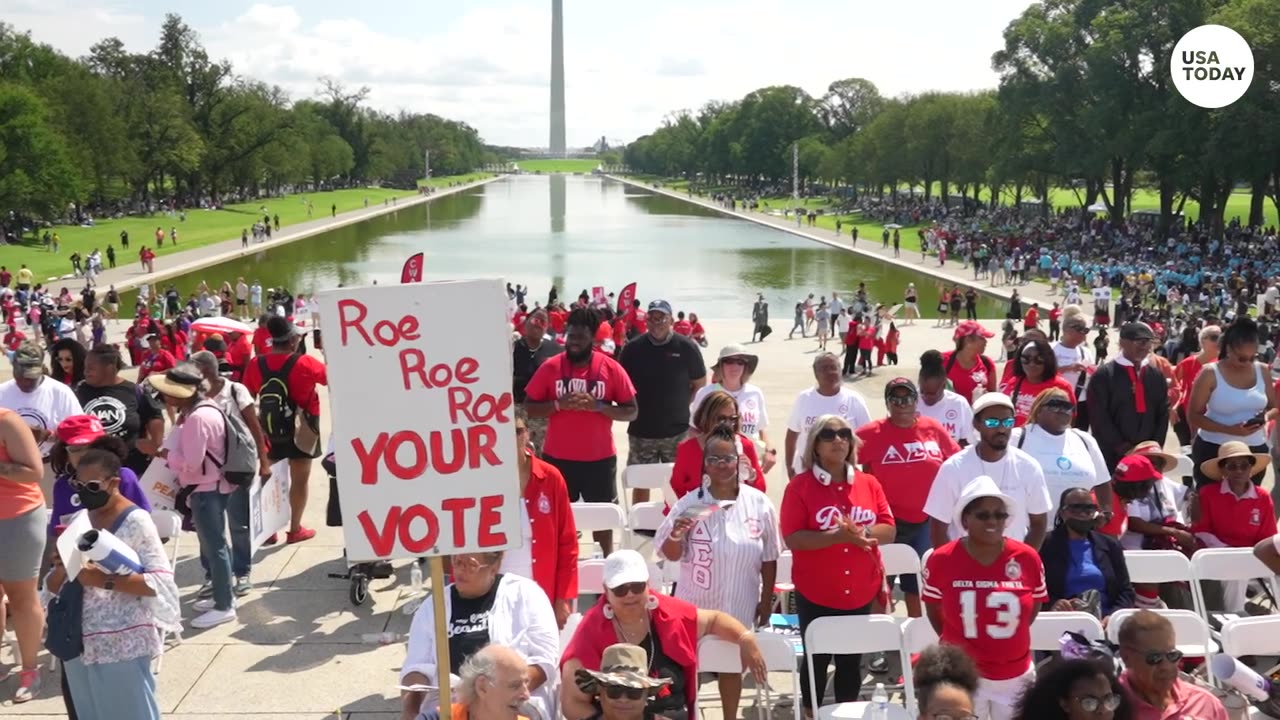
<point x="415" y="577"/>
<point x="879" y="703"/>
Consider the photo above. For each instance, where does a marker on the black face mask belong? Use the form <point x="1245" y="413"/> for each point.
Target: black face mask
<point x="1079" y="526"/>
<point x="1133" y="491"/>
<point x="93" y="499"/>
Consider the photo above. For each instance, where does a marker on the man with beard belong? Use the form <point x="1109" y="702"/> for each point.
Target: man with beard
<point x="1128" y="397"/>
<point x="527" y="355"/>
<point x="582" y="393"/>
<point x="1017" y="474"/>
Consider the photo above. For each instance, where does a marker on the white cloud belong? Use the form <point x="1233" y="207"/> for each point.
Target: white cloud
<point x="627" y="65"/>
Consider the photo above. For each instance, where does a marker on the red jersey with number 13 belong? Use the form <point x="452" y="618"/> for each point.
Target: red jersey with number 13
<point x="987" y="609"/>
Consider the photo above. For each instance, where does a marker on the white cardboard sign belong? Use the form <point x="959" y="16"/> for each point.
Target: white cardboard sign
<point x="269" y="508"/>
<point x="420" y="389"/>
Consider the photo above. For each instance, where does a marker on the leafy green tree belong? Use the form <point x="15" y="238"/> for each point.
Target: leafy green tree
<point x="37" y="176"/>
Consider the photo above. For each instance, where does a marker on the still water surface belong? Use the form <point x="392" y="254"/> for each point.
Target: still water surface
<point x="577" y="232"/>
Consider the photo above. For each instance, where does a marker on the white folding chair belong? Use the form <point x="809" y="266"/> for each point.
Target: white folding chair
<point x="590" y="517"/>
<point x="591" y="576"/>
<point x="917" y="634"/>
<point x="1251" y="636"/>
<point x="719" y="656"/>
<point x="644" y="516"/>
<point x="1048" y="627"/>
<point x="779" y="654"/>
<point x="651" y="476"/>
<point x="856" y="635"/>
<point x="570" y="627"/>
<point x="1152" y="567"/>
<point x="900" y="559"/>
<point x="169" y="526"/>
<point x="1190" y="630"/>
<point x="782" y="584"/>
<point x="1227" y="565"/>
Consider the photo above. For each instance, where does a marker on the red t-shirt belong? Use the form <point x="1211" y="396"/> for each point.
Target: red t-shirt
<point x="1187" y="370"/>
<point x="261" y="341"/>
<point x="640" y="321"/>
<point x="1238" y="522"/>
<point x="155" y="362"/>
<point x="1033" y="317"/>
<point x="987" y="609"/>
<point x="697" y="331"/>
<point x="905" y="461"/>
<point x="1054" y="314"/>
<point x="1024" y="393"/>
<point x="580" y="435"/>
<point x="604" y="331"/>
<point x="965" y="380"/>
<point x="13" y="340"/>
<point x="843" y="577"/>
<point x="619" y="332"/>
<point x="682" y="327"/>
<point x="686" y="473"/>
<point x="558" y="319"/>
<point x="867" y="337"/>
<point x="307" y="372"/>
<point x="517" y="320"/>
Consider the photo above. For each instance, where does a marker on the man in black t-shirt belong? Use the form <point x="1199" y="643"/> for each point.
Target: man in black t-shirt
<point x="527" y="355"/>
<point x="666" y="369"/>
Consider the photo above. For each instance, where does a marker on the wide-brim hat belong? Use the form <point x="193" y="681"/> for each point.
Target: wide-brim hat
<point x="1233" y="449"/>
<point x="1152" y="450"/>
<point x="736" y="350"/>
<point x="176" y="383"/>
<point x="623" y="665"/>
<point x="982" y="487"/>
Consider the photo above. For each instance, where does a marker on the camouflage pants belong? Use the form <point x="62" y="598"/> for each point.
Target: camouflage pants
<point x="646" y="451"/>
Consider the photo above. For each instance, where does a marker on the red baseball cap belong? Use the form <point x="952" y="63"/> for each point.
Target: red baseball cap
<point x="1136" y="468"/>
<point x="971" y="327"/>
<point x="80" y="430"/>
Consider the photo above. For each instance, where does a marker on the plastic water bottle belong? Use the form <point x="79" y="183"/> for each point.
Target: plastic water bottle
<point x="415" y="577"/>
<point x="879" y="703"/>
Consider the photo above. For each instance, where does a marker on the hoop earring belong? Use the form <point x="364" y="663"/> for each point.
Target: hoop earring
<point x="608" y="612"/>
<point x="651" y="603"/>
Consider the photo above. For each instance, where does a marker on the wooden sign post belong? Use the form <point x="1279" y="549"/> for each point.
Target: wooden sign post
<point x="442" y="633"/>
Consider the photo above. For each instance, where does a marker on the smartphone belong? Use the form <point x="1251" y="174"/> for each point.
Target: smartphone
<point x="1259" y="419"/>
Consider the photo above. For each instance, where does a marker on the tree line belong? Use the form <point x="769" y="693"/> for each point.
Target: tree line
<point x="116" y="129"/>
<point x="1085" y="101"/>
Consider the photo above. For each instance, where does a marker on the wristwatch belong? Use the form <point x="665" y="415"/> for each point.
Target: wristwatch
<point x="109" y="584"/>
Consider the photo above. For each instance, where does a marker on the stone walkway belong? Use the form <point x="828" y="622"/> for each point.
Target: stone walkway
<point x="130" y="275"/>
<point x="953" y="271"/>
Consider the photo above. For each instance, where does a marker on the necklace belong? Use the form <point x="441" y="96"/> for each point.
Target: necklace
<point x="648" y="635"/>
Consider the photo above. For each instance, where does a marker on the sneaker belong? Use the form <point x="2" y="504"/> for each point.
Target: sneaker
<point x="206" y="590"/>
<point x="204" y="605"/>
<point x="300" y="535"/>
<point x="879" y="664"/>
<point x="213" y="618"/>
<point x="28" y="686"/>
<point x="243" y="586"/>
<point x="275" y="538"/>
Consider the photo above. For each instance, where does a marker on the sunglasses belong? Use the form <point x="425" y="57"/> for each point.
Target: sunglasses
<point x="726" y="419"/>
<point x="1155" y="657"/>
<point x="1060" y="406"/>
<point x="1032" y="360"/>
<point x="626" y="589"/>
<point x="830" y="434"/>
<point x="92" y="486"/>
<point x="1237" y="464"/>
<point x="616" y="692"/>
<point x="1082" y="508"/>
<point x="993" y="423"/>
<point x="1092" y="703"/>
<point x="988" y="515"/>
<point x="902" y="400"/>
<point x="721" y="459"/>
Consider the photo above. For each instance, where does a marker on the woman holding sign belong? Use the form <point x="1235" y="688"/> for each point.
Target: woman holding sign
<point x="725" y="537"/>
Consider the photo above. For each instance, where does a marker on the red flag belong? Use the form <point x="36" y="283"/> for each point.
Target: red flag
<point x="626" y="297"/>
<point x="412" y="271"/>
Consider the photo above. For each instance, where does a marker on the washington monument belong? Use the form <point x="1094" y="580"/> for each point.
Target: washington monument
<point x="557" y="78"/>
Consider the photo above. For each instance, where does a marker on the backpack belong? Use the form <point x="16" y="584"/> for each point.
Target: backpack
<point x="240" y="452"/>
<point x="276" y="411"/>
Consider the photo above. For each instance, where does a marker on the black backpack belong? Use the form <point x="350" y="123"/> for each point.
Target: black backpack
<point x="276" y="411"/>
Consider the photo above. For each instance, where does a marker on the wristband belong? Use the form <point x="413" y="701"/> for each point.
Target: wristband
<point x="600" y="406"/>
<point x="556" y="404"/>
<point x="748" y="633"/>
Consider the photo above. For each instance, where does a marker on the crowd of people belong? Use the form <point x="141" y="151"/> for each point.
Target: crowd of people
<point x="1020" y="487"/>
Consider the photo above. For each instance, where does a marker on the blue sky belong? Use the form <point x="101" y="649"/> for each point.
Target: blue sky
<point x="628" y="64"/>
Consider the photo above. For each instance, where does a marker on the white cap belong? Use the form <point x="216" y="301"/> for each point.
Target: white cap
<point x="982" y="487"/>
<point x="623" y="567"/>
<point x="991" y="399"/>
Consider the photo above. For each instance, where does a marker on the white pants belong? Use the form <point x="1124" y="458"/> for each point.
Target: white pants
<point x="997" y="698"/>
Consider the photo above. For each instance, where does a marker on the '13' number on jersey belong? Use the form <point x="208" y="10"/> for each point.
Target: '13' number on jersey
<point x="1006" y="607"/>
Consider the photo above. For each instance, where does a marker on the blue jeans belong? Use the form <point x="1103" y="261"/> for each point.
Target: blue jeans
<point x="917" y="536"/>
<point x="241" y="542"/>
<point x="209" y="510"/>
<point x="125" y="689"/>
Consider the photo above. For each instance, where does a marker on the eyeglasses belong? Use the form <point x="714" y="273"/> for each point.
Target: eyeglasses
<point x="726" y="419"/>
<point x="1032" y="360"/>
<point x="1082" y="509"/>
<point x="1092" y="703"/>
<point x="902" y="400"/>
<point x="993" y="423"/>
<point x="626" y="589"/>
<point x="521" y="429"/>
<point x="616" y="692"/>
<point x="1155" y="657"/>
<point x="470" y="564"/>
<point x="721" y="459"/>
<point x="1237" y="464"/>
<point x="988" y="516"/>
<point x="829" y="434"/>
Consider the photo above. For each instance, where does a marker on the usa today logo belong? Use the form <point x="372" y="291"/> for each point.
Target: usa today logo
<point x="1212" y="66"/>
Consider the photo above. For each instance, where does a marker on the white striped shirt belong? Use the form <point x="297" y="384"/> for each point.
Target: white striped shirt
<point x="720" y="562"/>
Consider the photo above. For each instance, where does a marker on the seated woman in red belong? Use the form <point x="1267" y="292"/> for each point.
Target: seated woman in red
<point x="716" y="408"/>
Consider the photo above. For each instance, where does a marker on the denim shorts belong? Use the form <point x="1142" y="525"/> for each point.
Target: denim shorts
<point x="917" y="536"/>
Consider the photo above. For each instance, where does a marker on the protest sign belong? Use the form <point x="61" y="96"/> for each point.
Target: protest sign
<point x="159" y="484"/>
<point x="420" y="388"/>
<point x="269" y="504"/>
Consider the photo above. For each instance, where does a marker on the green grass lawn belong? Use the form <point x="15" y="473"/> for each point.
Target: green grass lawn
<point x="559" y="166"/>
<point x="202" y="227"/>
<point x="447" y="180"/>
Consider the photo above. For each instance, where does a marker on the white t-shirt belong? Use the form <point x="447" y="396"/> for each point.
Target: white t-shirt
<point x="811" y="405"/>
<point x="1069" y="460"/>
<point x="1171" y="505"/>
<point x="751" y="410"/>
<point x="519" y="560"/>
<point x="1017" y="474"/>
<point x="233" y="397"/>
<point x="954" y="413"/>
<point x="1070" y="356"/>
<point x="49" y="404"/>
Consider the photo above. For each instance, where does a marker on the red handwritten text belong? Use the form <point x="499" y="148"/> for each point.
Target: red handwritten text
<point x="417" y="527"/>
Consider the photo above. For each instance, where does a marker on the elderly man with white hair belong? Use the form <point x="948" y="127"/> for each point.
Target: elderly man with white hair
<point x="492" y="686"/>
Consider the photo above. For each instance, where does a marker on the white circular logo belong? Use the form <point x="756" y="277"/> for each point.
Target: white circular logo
<point x="1212" y="66"/>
